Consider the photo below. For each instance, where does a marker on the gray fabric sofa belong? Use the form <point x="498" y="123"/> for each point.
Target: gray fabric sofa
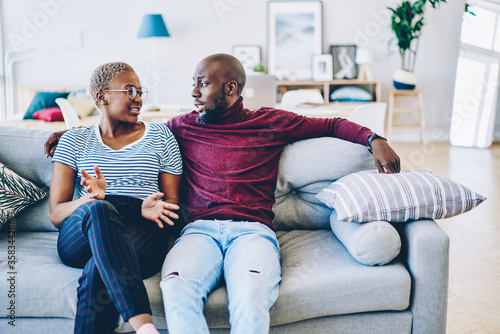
<point x="323" y="290"/>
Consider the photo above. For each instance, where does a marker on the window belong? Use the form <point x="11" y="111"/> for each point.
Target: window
<point x="476" y="87"/>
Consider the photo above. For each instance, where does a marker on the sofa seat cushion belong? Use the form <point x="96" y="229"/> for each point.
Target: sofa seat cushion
<point x="44" y="286"/>
<point x="319" y="278"/>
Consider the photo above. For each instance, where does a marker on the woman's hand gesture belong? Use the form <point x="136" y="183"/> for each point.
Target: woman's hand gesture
<point x="153" y="208"/>
<point x="94" y="185"/>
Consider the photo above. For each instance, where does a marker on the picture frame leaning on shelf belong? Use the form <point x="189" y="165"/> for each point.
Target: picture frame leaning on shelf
<point x="344" y="61"/>
<point x="322" y="66"/>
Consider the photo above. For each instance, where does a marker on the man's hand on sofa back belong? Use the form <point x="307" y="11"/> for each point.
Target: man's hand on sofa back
<point x="51" y="143"/>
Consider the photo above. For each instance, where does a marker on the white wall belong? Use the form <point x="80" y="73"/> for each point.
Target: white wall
<point x="108" y="32"/>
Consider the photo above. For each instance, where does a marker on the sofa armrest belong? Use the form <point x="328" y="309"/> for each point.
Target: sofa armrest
<point x="426" y="247"/>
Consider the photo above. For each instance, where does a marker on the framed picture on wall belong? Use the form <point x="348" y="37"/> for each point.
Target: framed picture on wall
<point x="294" y="35"/>
<point x="248" y="55"/>
<point x="322" y="67"/>
<point x="344" y="61"/>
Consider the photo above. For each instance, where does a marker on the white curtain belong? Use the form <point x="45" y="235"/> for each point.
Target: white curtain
<point x="3" y="102"/>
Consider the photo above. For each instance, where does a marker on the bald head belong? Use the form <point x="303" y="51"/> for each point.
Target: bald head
<point x="228" y="67"/>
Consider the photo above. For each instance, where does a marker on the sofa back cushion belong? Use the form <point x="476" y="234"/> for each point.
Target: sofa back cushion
<point x="306" y="167"/>
<point x="21" y="150"/>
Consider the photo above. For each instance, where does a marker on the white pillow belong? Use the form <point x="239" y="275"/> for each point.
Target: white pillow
<point x="351" y="94"/>
<point x="294" y="98"/>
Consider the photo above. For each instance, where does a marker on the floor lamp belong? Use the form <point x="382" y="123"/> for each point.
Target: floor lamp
<point x="153" y="26"/>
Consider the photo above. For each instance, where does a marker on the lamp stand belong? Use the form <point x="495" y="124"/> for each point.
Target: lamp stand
<point x="364" y="73"/>
<point x="156" y="69"/>
<point x="152" y="25"/>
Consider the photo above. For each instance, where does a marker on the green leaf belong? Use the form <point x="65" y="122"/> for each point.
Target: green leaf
<point x="407" y="21"/>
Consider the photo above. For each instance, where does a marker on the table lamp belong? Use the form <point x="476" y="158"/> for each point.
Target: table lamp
<point x="153" y="26"/>
<point x="363" y="58"/>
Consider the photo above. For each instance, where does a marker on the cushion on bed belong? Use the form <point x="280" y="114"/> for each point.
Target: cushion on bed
<point x="53" y="114"/>
<point x="43" y="100"/>
<point x="84" y="106"/>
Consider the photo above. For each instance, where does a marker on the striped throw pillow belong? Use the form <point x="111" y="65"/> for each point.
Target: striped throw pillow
<point x="16" y="193"/>
<point x="410" y="195"/>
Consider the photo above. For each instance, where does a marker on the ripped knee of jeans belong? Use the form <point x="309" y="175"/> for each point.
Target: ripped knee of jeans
<point x="254" y="272"/>
<point x="173" y="274"/>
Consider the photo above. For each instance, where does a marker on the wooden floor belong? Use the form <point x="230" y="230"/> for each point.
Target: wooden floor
<point x="474" y="286"/>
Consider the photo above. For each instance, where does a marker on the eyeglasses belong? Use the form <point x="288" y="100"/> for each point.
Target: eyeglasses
<point x="132" y="92"/>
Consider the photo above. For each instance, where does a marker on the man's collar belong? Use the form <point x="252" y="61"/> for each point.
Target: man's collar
<point x="234" y="114"/>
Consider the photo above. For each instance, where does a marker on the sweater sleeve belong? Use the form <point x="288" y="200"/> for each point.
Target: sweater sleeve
<point x="297" y="127"/>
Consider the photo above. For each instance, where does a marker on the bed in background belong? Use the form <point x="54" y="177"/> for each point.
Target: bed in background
<point x="37" y="107"/>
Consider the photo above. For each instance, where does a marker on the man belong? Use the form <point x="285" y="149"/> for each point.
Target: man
<point x="231" y="157"/>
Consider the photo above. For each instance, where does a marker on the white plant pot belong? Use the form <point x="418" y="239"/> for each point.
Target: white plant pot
<point x="404" y="80"/>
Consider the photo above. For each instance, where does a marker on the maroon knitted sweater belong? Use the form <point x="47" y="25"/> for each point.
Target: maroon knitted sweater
<point x="231" y="167"/>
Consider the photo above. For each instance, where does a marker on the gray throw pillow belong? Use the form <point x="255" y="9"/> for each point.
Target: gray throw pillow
<point x="374" y="244"/>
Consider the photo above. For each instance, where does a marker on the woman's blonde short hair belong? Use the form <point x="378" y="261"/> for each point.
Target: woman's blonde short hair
<point x="103" y="75"/>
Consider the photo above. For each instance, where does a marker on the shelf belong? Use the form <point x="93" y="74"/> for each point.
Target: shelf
<point x="327" y="87"/>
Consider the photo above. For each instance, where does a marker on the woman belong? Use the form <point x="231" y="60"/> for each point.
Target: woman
<point x="114" y="230"/>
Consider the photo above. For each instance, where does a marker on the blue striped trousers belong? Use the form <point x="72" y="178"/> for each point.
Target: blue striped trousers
<point x="117" y="248"/>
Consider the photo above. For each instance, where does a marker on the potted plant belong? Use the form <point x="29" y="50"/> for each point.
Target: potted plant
<point x="259" y="68"/>
<point x="407" y="21"/>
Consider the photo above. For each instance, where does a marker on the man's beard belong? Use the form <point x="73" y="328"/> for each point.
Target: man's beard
<point x="211" y="116"/>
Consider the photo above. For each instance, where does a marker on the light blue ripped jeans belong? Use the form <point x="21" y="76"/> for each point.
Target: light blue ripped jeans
<point x="246" y="253"/>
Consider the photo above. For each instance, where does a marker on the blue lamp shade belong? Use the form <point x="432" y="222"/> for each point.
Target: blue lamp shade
<point x="153" y="26"/>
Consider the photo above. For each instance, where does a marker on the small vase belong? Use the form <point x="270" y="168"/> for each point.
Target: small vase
<point x="404" y="80"/>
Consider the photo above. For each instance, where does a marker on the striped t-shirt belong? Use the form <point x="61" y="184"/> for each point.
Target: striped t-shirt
<point x="131" y="171"/>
